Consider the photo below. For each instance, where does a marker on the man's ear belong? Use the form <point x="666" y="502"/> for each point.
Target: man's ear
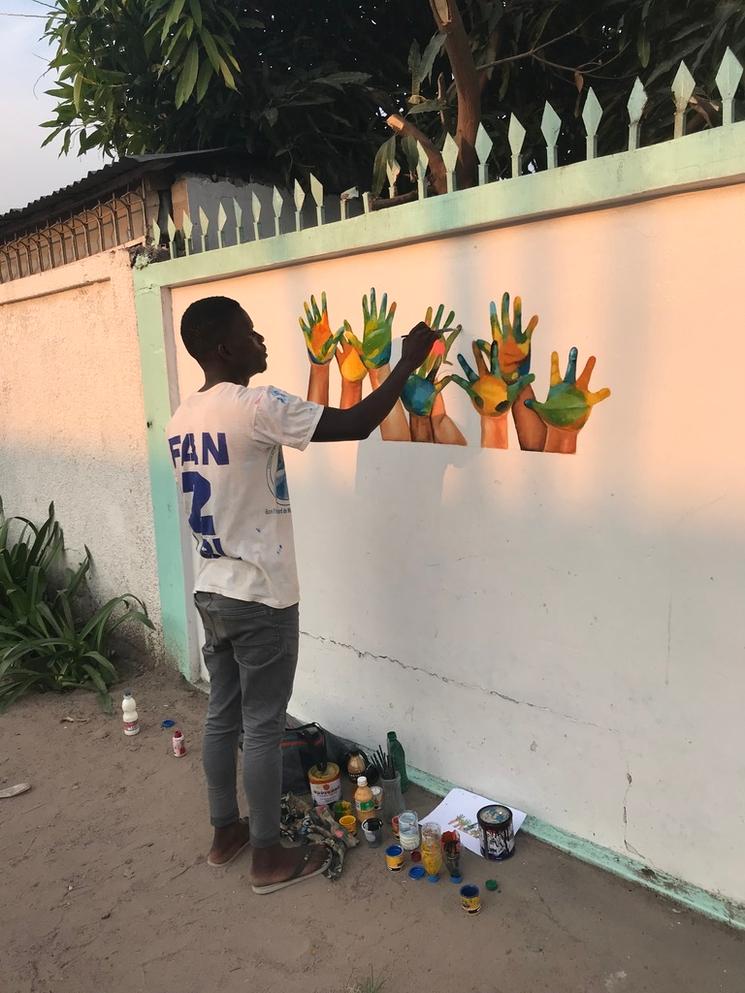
<point x="223" y="351"/>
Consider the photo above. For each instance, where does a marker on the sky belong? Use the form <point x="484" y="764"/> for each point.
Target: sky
<point x="28" y="171"/>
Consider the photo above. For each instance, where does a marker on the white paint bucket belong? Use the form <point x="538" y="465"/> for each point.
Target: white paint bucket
<point x="325" y="787"/>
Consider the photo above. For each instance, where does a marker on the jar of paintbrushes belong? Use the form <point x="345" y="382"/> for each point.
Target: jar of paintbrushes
<point x="390" y="782"/>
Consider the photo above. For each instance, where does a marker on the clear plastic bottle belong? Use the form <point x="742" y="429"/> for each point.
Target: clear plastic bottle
<point x="432" y="849"/>
<point x="408" y="830"/>
<point x="129" y="714"/>
<point x="398" y="757"/>
<point x="364" y="802"/>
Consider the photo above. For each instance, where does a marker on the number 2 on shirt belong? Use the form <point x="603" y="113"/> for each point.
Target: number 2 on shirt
<point x="201" y="490"/>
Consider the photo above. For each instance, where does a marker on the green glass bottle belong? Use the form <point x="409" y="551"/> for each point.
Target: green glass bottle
<point x="398" y="757"/>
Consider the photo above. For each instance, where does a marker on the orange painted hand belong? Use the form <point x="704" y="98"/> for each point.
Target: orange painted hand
<point x="320" y="340"/>
<point x="490" y="394"/>
<point x="512" y="341"/>
<point x="569" y="403"/>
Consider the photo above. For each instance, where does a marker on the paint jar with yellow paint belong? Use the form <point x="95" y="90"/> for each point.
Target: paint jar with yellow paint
<point x="349" y="823"/>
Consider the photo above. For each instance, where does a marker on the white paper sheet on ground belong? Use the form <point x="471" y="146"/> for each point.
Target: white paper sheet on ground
<point x="458" y="810"/>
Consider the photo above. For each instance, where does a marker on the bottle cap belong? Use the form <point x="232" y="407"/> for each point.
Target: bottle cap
<point x="128" y="692"/>
<point x="416" y="872"/>
<point x="491" y="884"/>
<point x="362" y="781"/>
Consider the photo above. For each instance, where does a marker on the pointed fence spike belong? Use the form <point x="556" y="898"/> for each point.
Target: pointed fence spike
<point x="187" y="227"/>
<point x="636" y="104"/>
<point x="156" y="233"/>
<point x="366" y="204"/>
<point x="299" y="195"/>
<point x="683" y="86"/>
<point x="591" y="114"/>
<point x="171" y="236"/>
<point x="728" y="79"/>
<point x="392" y="171"/>
<point x="237" y="210"/>
<point x="204" y="223"/>
<point x="344" y="198"/>
<point x="316" y="191"/>
<point x="256" y="213"/>
<point x="483" y="146"/>
<point x="550" y="128"/>
<point x="450" y="158"/>
<point x="222" y="220"/>
<point x="277" y="205"/>
<point x="422" y="164"/>
<point x="516" y="138"/>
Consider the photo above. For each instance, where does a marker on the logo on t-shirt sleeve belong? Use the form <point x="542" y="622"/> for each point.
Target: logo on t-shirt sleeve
<point x="276" y="477"/>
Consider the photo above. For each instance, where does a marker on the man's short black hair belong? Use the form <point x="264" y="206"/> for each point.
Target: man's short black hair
<point x="205" y="323"/>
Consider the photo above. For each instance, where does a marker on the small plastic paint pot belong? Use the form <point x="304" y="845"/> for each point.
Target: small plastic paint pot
<point x="470" y="899"/>
<point x="372" y="829"/>
<point x="417" y="872"/>
<point x="416" y="855"/>
<point x="394" y="857"/>
<point x="349" y="822"/>
<point x="491" y="884"/>
<point x="394" y="826"/>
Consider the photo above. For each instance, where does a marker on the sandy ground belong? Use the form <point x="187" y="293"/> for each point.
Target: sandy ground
<point x="105" y="890"/>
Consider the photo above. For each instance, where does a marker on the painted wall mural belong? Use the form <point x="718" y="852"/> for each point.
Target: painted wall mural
<point x="499" y="382"/>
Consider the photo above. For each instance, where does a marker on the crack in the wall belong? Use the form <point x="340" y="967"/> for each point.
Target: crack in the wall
<point x="361" y="653"/>
<point x="627" y="844"/>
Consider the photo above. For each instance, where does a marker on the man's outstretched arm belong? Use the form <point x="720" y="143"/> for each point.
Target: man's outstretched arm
<point x="359" y="421"/>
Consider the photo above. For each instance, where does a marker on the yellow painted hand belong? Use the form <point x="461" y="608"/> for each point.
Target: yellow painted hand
<point x="569" y="402"/>
<point x="320" y="340"/>
<point x="351" y="366"/>
<point x="512" y="341"/>
<point x="490" y="394"/>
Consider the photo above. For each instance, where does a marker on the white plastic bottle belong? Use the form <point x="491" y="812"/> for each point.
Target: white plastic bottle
<point x="129" y="714"/>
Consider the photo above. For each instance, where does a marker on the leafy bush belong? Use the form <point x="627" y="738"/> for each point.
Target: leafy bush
<point x="45" y="642"/>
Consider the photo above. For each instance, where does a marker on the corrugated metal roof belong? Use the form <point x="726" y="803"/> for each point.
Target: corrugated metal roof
<point x="116" y="175"/>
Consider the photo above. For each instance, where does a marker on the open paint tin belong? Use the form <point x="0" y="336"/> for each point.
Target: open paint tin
<point x="496" y="831"/>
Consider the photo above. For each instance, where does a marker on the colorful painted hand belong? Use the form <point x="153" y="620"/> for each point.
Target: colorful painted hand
<point x="569" y="403"/>
<point x="422" y="389"/>
<point x="320" y="341"/>
<point x="375" y="347"/>
<point x="352" y="371"/>
<point x="513" y="342"/>
<point x="491" y="396"/>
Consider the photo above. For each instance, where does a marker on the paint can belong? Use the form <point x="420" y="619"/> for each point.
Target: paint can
<point x="496" y="832"/>
<point x="325" y="786"/>
<point x="470" y="899"/>
<point x="178" y="743"/>
<point x="372" y="829"/>
<point x="394" y="857"/>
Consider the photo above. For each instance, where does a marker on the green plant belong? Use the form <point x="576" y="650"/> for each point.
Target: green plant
<point x="46" y="644"/>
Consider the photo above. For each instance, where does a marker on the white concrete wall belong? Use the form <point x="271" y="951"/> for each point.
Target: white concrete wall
<point x="561" y="632"/>
<point x="72" y="422"/>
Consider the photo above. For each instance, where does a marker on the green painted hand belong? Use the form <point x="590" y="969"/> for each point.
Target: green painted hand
<point x="489" y="393"/>
<point x="513" y="342"/>
<point x="569" y="402"/>
<point x="320" y="341"/>
<point x="375" y="347"/>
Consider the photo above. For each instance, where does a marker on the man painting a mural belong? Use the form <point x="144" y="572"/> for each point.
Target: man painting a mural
<point x="226" y="446"/>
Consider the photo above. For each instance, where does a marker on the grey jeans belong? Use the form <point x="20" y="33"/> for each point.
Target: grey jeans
<point x="250" y="651"/>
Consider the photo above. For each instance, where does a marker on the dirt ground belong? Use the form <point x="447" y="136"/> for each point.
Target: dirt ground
<point x="105" y="890"/>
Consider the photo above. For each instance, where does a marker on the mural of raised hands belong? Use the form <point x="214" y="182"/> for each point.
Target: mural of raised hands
<point x="491" y="395"/>
<point x="422" y="394"/>
<point x="569" y="403"/>
<point x="514" y="344"/>
<point x="374" y="351"/>
<point x="321" y="343"/>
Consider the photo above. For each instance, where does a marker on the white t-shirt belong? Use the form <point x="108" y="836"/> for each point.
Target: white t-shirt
<point x="226" y="448"/>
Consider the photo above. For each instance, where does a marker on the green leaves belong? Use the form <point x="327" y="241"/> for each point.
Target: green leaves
<point x="188" y="77"/>
<point x="44" y="643"/>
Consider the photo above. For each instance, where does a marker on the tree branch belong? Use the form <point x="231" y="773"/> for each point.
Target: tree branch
<point x="401" y="126"/>
<point x="467" y="84"/>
